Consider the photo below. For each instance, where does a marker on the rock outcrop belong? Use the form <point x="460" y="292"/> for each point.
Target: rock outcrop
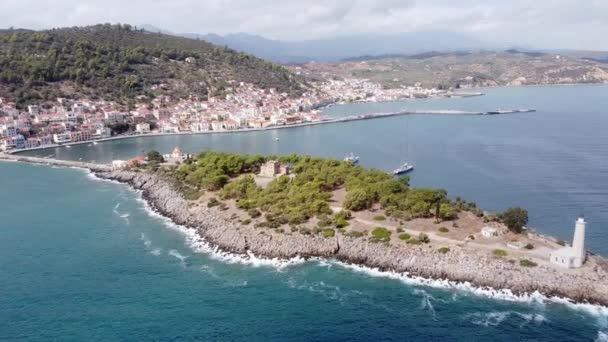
<point x="589" y="284"/>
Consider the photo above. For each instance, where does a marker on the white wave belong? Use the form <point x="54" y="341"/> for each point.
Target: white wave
<point x="176" y="254"/>
<point x="231" y="283"/>
<point x="199" y="245"/>
<point x="534" y="298"/>
<point x="148" y="245"/>
<point x="602" y="336"/>
<point x="90" y="175"/>
<point x="495" y="318"/>
<point x="145" y="239"/>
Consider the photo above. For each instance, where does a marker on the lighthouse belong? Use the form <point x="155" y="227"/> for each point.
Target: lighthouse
<point x="578" y="244"/>
<point x="572" y="256"/>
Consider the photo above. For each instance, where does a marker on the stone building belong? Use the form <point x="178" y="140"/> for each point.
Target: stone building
<point x="273" y="168"/>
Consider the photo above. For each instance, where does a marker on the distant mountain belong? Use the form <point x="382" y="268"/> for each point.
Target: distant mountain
<point x="121" y="63"/>
<point x="338" y="48"/>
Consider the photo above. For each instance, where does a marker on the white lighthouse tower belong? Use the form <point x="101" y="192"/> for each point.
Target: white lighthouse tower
<point x="575" y="256"/>
<point x="578" y="244"/>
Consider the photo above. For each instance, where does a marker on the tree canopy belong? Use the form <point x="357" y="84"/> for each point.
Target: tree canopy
<point x="120" y="62"/>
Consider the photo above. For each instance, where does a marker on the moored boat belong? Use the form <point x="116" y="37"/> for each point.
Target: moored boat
<point x="352" y="158"/>
<point x="404" y="168"/>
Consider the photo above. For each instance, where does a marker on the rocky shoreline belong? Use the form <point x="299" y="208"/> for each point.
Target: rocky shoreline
<point x="587" y="286"/>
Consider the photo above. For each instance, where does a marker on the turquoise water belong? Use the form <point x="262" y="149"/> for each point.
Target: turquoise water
<point x="83" y="259"/>
<point x="553" y="162"/>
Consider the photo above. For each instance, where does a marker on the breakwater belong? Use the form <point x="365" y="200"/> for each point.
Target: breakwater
<point x="56" y="162"/>
<point x="325" y="121"/>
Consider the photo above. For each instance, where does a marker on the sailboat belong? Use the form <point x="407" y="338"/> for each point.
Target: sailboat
<point x="405" y="167"/>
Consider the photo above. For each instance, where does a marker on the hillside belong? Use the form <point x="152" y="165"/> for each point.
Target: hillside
<point x="466" y="69"/>
<point x="120" y="62"/>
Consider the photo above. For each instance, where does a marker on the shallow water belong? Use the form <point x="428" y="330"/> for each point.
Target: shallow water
<point x="84" y="259"/>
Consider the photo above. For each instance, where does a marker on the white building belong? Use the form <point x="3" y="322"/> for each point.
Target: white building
<point x="142" y="128"/>
<point x="572" y="256"/>
<point x="62" y="138"/>
<point x="489" y="232"/>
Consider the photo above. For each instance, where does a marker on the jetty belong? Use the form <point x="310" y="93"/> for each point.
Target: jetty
<point x="56" y="162"/>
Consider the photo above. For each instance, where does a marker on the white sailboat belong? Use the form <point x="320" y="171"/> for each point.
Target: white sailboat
<point x="405" y="167"/>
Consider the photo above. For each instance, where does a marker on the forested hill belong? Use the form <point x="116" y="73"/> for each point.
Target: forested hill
<point x="120" y="62"/>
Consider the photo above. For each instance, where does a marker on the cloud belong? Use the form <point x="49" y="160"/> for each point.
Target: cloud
<point x="581" y="24"/>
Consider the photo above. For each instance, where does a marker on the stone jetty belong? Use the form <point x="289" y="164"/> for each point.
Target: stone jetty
<point x="56" y="162"/>
<point x="587" y="285"/>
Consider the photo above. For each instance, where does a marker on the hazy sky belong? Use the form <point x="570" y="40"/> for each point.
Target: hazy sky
<point x="577" y="24"/>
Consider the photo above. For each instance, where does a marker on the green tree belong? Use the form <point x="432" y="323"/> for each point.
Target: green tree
<point x="515" y="219"/>
<point x="155" y="157"/>
<point x="358" y="199"/>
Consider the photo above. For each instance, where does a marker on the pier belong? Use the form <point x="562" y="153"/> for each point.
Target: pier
<point x="55" y="162"/>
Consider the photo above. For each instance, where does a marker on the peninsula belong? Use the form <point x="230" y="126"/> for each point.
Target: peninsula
<point x="296" y="206"/>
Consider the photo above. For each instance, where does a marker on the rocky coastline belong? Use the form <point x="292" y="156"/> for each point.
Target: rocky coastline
<point x="481" y="270"/>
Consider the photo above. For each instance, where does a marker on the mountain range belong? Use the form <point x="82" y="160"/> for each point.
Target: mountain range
<point x="338" y="48"/>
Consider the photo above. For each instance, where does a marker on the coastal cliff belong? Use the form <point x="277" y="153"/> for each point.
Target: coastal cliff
<point x="586" y="285"/>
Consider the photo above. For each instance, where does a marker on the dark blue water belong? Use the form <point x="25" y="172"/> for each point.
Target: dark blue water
<point x="553" y="162"/>
<point x="83" y="260"/>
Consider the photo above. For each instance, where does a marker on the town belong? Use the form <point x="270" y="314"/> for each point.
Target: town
<point x="73" y="121"/>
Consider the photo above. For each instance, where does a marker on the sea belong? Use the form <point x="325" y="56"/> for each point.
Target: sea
<point x="87" y="259"/>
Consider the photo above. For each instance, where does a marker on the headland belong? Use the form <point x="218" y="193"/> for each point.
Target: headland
<point x="240" y="216"/>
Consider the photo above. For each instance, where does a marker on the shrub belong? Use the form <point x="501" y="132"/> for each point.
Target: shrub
<point x="404" y="236"/>
<point x="329" y="233"/>
<point x="379" y="218"/>
<point x="280" y="230"/>
<point x="443" y="250"/>
<point x="223" y="206"/>
<point x="413" y="242"/>
<point x="399" y="230"/>
<point x="561" y="242"/>
<point x="447" y="212"/>
<point x="423" y="238"/>
<point x="527" y="263"/>
<point x="294" y="229"/>
<point x="529" y="246"/>
<point x="246" y="222"/>
<point x="443" y="230"/>
<point x="213" y="202"/>
<point x="471" y="237"/>
<point x="515" y="219"/>
<point x="381" y="234"/>
<point x="500" y="252"/>
<point x="305" y="231"/>
<point x="324" y="221"/>
<point x="191" y="194"/>
<point x="344" y="215"/>
<point x="355" y="234"/>
<point x="254" y="213"/>
<point x="341" y="223"/>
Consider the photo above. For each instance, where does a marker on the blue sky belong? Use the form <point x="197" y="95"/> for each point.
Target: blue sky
<point x="575" y="24"/>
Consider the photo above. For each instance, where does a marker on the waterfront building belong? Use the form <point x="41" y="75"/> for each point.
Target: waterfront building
<point x="142" y="128"/>
<point x="572" y="256"/>
<point x="62" y="138"/>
